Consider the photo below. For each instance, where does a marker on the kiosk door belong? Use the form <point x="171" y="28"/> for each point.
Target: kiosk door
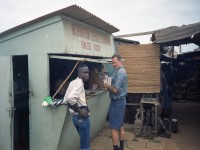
<point x="6" y="100"/>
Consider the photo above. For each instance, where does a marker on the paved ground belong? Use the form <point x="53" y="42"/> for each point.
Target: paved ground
<point x="187" y="138"/>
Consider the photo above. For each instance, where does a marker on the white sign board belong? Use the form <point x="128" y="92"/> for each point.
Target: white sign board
<point x="83" y="39"/>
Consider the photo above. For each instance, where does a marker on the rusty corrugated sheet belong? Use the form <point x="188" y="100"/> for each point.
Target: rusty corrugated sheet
<point x="82" y="15"/>
<point x="176" y="35"/>
<point x="76" y="13"/>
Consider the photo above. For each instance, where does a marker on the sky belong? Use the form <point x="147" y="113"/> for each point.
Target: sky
<point x="129" y="16"/>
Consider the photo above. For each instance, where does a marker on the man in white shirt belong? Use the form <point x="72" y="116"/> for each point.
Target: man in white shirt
<point x="75" y="98"/>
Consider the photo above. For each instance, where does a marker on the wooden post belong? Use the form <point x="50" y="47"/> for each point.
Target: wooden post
<point x="65" y="80"/>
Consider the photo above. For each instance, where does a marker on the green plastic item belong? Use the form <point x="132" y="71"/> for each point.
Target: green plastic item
<point x="48" y="99"/>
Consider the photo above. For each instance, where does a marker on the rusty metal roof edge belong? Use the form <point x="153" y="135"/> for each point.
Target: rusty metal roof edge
<point x="186" y="29"/>
<point x="59" y="12"/>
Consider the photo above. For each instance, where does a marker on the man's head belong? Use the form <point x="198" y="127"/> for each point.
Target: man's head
<point x="116" y="61"/>
<point x="83" y="72"/>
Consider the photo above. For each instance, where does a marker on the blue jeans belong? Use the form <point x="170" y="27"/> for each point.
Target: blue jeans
<point x="83" y="128"/>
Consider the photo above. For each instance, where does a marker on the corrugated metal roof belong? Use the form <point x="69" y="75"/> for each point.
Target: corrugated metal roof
<point x="76" y="13"/>
<point x="178" y="34"/>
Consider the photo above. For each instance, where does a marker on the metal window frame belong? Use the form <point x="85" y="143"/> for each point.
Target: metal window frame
<point x="105" y="61"/>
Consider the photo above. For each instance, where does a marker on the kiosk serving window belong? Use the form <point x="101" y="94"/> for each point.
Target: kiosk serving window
<point x="64" y="69"/>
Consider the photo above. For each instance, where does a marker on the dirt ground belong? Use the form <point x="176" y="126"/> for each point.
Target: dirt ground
<point x="187" y="138"/>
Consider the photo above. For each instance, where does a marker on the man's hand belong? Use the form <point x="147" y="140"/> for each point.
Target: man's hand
<point x="110" y="88"/>
<point x="83" y="112"/>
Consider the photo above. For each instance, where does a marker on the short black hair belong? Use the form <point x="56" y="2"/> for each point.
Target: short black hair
<point x="117" y="55"/>
<point x="81" y="65"/>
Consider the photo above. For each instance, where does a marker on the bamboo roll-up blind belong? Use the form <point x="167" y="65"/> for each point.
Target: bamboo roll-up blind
<point x="142" y="64"/>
